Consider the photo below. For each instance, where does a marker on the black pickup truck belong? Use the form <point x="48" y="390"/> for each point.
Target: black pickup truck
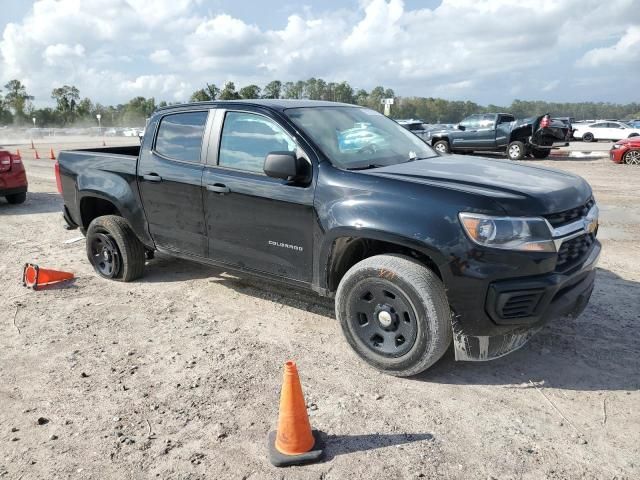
<point x="501" y="132"/>
<point x="417" y="248"/>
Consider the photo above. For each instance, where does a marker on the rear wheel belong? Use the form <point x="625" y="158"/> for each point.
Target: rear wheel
<point x="16" y="198"/>
<point x="541" y="153"/>
<point x="394" y="313"/>
<point x="114" y="250"/>
<point x="441" y="146"/>
<point x="632" y="157"/>
<point x="516" y="151"/>
<point x="587" y="137"/>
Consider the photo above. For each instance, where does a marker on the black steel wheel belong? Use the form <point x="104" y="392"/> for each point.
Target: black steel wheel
<point x="394" y="314"/>
<point x="105" y="256"/>
<point x="114" y="250"/>
<point x="383" y="317"/>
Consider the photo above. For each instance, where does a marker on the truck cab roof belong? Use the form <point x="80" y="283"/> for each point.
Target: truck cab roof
<point x="274" y="104"/>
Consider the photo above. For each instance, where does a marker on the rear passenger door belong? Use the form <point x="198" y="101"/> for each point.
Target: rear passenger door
<point x="170" y="180"/>
<point x="256" y="222"/>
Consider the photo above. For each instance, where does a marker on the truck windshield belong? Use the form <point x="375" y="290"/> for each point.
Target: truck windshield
<point x="356" y="138"/>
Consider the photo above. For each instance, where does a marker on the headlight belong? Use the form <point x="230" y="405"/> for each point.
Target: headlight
<point x="508" y="233"/>
<point x="616" y="146"/>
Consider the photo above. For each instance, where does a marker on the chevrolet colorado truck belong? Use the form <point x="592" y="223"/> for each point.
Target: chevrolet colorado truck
<point x="418" y="249"/>
<point x="501" y="132"/>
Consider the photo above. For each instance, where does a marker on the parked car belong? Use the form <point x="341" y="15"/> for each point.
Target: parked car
<point x="13" y="178"/>
<point x="417" y="248"/>
<point x="501" y="132"/>
<point x="604" y="131"/>
<point x="626" y="151"/>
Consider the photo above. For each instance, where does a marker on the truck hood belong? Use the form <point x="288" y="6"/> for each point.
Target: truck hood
<point x="518" y="189"/>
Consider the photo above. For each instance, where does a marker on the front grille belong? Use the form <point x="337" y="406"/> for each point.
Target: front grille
<point x="518" y="304"/>
<point x="563" y="218"/>
<point x="573" y="251"/>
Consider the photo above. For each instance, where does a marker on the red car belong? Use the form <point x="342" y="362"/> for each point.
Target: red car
<point x="13" y="178"/>
<point x="626" y="151"/>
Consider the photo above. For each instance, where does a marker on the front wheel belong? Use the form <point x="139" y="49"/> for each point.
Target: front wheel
<point x="394" y="313"/>
<point x="587" y="137"/>
<point x="516" y="151"/>
<point x="114" y="250"/>
<point x="441" y="146"/>
<point x="632" y="157"/>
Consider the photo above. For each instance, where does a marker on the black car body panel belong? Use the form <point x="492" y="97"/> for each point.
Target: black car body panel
<point x="305" y="233"/>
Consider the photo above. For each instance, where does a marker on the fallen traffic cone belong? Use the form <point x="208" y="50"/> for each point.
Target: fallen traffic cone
<point x="35" y="277"/>
<point x="32" y="145"/>
<point x="51" y="154"/>
<point x="36" y="156"/>
<point x="294" y="443"/>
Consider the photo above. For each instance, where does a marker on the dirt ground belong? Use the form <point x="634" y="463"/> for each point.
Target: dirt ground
<point x="178" y="375"/>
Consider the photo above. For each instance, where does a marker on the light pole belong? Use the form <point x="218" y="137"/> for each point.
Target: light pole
<point x="98" y="116"/>
<point x="33" y="119"/>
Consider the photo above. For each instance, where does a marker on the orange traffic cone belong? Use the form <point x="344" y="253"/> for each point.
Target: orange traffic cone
<point x="18" y="154"/>
<point x="104" y="143"/>
<point x="51" y="154"/>
<point x="35" y="277"/>
<point x="294" y="443"/>
<point x="36" y="156"/>
<point x="32" y="145"/>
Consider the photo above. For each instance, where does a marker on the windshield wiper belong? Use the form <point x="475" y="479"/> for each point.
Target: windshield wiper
<point x="367" y="167"/>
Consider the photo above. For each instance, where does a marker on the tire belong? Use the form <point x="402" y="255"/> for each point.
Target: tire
<point x="114" y="250"/>
<point x="632" y="157"/>
<point x="516" y="151"/>
<point x="413" y="298"/>
<point x="587" y="137"/>
<point x="442" y="146"/>
<point x="541" y="153"/>
<point x="17" y="198"/>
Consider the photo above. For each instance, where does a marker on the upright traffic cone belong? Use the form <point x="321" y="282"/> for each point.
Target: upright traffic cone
<point x="294" y="443"/>
<point x="104" y="144"/>
<point x="36" y="156"/>
<point x="18" y="154"/>
<point x="35" y="277"/>
<point x="33" y="147"/>
<point x="51" y="154"/>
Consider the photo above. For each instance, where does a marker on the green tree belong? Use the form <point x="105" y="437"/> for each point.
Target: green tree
<point x="66" y="98"/>
<point x="210" y="92"/>
<point x="229" y="92"/>
<point x="17" y="98"/>
<point x="272" y="89"/>
<point x="250" y="91"/>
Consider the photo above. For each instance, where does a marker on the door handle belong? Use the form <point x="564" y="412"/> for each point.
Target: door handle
<point x="152" y="177"/>
<point x="218" y="188"/>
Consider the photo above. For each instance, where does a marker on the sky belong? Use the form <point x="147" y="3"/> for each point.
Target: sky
<point x="484" y="51"/>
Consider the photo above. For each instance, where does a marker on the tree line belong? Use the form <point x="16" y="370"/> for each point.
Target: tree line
<point x="16" y="104"/>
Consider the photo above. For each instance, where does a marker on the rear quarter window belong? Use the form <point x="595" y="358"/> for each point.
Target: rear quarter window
<point x="180" y="136"/>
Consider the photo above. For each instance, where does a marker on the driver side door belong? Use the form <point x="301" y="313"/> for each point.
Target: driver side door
<point x="255" y="222"/>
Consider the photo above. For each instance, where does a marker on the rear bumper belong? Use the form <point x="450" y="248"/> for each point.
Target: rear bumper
<point x="517" y="308"/>
<point x="12" y="191"/>
<point x="69" y="223"/>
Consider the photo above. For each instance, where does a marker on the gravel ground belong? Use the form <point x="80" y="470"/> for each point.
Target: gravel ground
<point x="178" y="375"/>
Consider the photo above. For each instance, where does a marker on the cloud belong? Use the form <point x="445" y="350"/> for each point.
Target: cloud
<point x="482" y="50"/>
<point x="625" y="51"/>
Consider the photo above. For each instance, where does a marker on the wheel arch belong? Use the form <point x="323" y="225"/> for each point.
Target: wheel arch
<point x="349" y="247"/>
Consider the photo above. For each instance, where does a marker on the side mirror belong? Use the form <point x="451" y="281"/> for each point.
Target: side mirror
<point x="285" y="165"/>
<point x="462" y="127"/>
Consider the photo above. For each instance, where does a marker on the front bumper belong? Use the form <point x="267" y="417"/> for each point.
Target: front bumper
<point x="12" y="191"/>
<point x="616" y="154"/>
<point x="517" y="308"/>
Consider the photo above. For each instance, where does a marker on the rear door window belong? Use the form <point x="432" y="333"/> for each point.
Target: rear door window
<point x="180" y="136"/>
